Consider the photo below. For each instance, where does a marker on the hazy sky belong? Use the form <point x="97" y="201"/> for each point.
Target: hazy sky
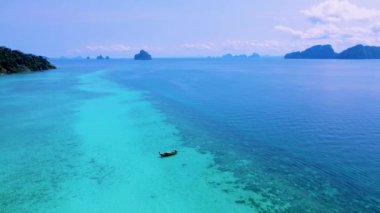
<point x="185" y="28"/>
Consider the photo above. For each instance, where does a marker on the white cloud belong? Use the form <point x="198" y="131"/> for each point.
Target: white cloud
<point x="339" y="10"/>
<point x="199" y="46"/>
<point x="317" y="32"/>
<point x="339" y="22"/>
<point x="264" y="46"/>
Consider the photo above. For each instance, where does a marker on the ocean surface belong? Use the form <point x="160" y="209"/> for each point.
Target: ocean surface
<point x="266" y="135"/>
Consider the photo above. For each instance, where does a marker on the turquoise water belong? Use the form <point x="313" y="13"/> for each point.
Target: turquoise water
<point x="264" y="135"/>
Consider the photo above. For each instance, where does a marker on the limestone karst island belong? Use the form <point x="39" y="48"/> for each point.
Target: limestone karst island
<point x="143" y="55"/>
<point x="327" y="52"/>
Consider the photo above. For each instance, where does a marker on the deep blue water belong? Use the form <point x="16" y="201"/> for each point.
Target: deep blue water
<point x="310" y="129"/>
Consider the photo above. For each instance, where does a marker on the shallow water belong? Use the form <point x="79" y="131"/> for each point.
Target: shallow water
<point x="253" y="136"/>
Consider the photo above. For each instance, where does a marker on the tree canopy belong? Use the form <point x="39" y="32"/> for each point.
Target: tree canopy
<point x="14" y="61"/>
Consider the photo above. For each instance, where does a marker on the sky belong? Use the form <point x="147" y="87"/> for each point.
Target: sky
<point x="179" y="28"/>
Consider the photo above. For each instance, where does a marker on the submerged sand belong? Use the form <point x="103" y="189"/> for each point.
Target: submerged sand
<point x="121" y="134"/>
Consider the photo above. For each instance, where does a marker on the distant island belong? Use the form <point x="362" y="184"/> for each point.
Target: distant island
<point x="361" y="52"/>
<point x="243" y="56"/>
<point x="143" y="55"/>
<point x="14" y="61"/>
<point x="327" y="52"/>
<point x="100" y="57"/>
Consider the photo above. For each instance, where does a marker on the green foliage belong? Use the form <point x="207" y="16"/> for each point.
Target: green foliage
<point x="14" y="61"/>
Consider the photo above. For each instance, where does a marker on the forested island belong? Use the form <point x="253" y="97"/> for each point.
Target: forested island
<point x="14" y="61"/>
<point x="327" y="52"/>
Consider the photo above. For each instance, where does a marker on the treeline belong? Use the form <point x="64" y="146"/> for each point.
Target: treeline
<point x="14" y="61"/>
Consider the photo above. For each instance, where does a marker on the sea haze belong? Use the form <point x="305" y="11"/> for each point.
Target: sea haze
<point x="264" y="135"/>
